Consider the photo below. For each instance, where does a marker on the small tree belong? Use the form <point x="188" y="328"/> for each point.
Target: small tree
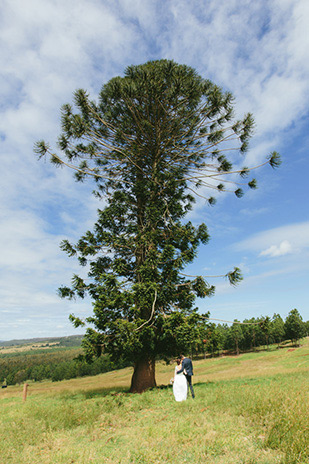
<point x="266" y="330"/>
<point x="294" y="326"/>
<point x="249" y="334"/>
<point x="154" y="138"/>
<point x="224" y="331"/>
<point x="236" y="335"/>
<point x="277" y="329"/>
<point x="215" y="339"/>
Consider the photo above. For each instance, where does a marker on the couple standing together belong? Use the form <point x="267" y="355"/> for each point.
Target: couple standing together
<point x="183" y="378"/>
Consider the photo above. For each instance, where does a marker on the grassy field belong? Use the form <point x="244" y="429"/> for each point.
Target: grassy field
<point x="251" y="409"/>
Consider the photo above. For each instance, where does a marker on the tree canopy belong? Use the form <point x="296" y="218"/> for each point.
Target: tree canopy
<point x="155" y="139"/>
<point x="295" y="328"/>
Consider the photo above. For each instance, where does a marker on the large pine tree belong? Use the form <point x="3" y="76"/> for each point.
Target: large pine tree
<point x="155" y="138"/>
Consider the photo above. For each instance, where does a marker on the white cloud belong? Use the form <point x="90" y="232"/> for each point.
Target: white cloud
<point x="292" y="238"/>
<point x="282" y="249"/>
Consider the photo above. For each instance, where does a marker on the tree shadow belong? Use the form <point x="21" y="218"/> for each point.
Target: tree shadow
<point x="102" y="392"/>
<point x="99" y="392"/>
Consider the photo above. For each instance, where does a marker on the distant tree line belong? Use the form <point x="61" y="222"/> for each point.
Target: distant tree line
<point x="16" y="368"/>
<point x="61" y="364"/>
<point x="253" y="333"/>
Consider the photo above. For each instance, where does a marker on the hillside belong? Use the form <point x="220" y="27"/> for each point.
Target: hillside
<point x="249" y="409"/>
<point x="49" y="359"/>
<point x="71" y="340"/>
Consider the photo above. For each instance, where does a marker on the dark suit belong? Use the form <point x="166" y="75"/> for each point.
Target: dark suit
<point x="188" y="367"/>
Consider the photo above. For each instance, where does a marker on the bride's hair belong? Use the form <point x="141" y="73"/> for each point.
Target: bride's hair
<point x="178" y="361"/>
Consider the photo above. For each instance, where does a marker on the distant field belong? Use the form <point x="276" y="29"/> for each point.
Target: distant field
<point x="28" y="347"/>
<point x="251" y="409"/>
<point x="38" y="343"/>
<point x="53" y="360"/>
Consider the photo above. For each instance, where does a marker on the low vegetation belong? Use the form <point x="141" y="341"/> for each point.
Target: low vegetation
<point x="54" y="360"/>
<point x="249" y="409"/>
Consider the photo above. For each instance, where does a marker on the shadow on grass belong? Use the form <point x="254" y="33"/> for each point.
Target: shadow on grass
<point x="124" y="391"/>
<point x="119" y="391"/>
<point x="96" y="393"/>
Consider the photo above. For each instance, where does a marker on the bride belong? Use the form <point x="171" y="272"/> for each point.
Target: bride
<point x="179" y="383"/>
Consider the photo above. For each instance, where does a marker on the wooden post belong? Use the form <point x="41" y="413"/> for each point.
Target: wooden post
<point x="25" y="391"/>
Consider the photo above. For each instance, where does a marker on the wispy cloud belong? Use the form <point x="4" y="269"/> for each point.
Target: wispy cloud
<point x="292" y="238"/>
<point x="255" y="211"/>
<point x="282" y="249"/>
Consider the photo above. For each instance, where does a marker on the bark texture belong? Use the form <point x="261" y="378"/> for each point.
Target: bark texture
<point x="143" y="376"/>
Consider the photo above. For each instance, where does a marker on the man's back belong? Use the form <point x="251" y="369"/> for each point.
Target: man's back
<point x="187" y="365"/>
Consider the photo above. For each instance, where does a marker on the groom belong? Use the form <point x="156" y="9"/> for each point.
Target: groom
<point x="187" y="369"/>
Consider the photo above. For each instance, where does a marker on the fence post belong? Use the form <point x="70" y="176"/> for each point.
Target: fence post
<point x="25" y="391"/>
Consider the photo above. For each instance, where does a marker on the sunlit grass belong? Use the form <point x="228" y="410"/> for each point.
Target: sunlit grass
<point x="250" y="410"/>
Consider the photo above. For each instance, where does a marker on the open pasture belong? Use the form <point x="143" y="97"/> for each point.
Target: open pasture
<point x="251" y="409"/>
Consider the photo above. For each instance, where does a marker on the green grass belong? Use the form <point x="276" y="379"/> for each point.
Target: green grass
<point x="249" y="410"/>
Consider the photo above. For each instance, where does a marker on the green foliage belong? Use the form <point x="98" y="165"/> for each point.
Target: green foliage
<point x="253" y="333"/>
<point x="294" y="326"/>
<point x="274" y="159"/>
<point x="57" y="364"/>
<point x="277" y="329"/>
<point x="154" y="137"/>
<point x="236" y="335"/>
<point x="214" y="338"/>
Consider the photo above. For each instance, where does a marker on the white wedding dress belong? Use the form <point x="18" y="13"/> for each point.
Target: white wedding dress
<point x="180" y="387"/>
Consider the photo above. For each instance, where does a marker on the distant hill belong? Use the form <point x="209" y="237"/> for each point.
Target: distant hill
<point x="71" y="340"/>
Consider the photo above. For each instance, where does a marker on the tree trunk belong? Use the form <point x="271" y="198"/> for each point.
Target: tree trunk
<point x="143" y="376"/>
<point x="237" y="349"/>
<point x="253" y="339"/>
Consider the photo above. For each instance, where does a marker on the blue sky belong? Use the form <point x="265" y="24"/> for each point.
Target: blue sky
<point x="257" y="50"/>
